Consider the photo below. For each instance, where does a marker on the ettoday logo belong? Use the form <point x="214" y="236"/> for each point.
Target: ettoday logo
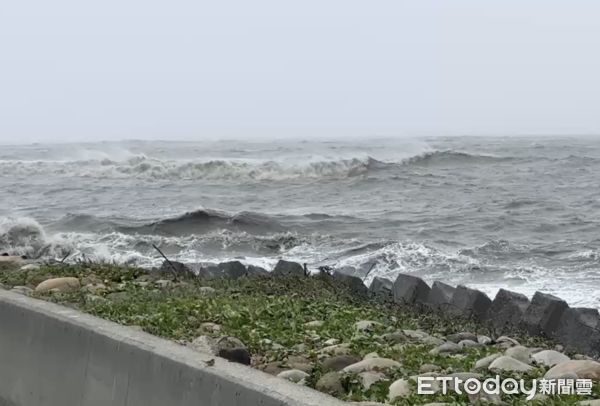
<point x="497" y="386"/>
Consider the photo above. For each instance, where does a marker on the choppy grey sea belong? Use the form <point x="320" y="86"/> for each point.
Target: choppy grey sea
<point x="513" y="212"/>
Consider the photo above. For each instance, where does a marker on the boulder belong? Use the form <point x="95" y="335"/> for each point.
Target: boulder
<point x="372" y="364"/>
<point x="508" y="364"/>
<point x="549" y="358"/>
<point x="368" y="378"/>
<point x="440" y="296"/>
<point x="446" y="348"/>
<point x="579" y="330"/>
<point x="67" y="284"/>
<point x="543" y="315"/>
<point x="287" y="268"/>
<point x="519" y="353"/>
<point x="399" y="389"/>
<point x="354" y="284"/>
<point x="174" y="267"/>
<point x="467" y="302"/>
<point x="330" y="383"/>
<point x="484" y="363"/>
<point x="457" y="337"/>
<point x="507" y="310"/>
<point x="338" y="363"/>
<point x="484" y="340"/>
<point x="256" y="270"/>
<point x="207" y="291"/>
<point x="232" y="349"/>
<point x="293" y="375"/>
<point x="12" y="258"/>
<point x="583" y="369"/>
<point x="381" y="288"/>
<point x="408" y="289"/>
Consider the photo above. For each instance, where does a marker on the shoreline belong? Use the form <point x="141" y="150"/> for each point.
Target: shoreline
<point x="311" y="329"/>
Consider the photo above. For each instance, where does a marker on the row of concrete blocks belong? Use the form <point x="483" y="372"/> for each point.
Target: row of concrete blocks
<point x="577" y="329"/>
<point x="545" y="315"/>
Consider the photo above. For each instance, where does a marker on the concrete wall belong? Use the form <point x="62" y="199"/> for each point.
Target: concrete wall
<point x="54" y="356"/>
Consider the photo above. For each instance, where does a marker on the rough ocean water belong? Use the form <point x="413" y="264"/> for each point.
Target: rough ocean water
<point x="518" y="213"/>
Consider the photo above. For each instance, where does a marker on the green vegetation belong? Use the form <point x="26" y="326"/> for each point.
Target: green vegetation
<point x="269" y="315"/>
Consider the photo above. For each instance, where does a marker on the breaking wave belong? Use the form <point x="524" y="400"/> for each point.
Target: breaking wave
<point x="142" y="167"/>
<point x="452" y="157"/>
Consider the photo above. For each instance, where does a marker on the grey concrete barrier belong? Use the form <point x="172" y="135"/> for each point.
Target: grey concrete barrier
<point x="55" y="356"/>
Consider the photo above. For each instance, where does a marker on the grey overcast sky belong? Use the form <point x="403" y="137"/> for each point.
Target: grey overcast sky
<point x="90" y="70"/>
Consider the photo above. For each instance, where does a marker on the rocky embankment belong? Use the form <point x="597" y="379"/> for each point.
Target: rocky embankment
<point x="332" y="333"/>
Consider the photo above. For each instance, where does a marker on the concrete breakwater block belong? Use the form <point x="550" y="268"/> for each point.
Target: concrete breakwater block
<point x="381" y="288"/>
<point x="469" y="302"/>
<point x="440" y="296"/>
<point x="507" y="310"/>
<point x="579" y="330"/>
<point x="543" y="315"/>
<point x="410" y="289"/>
<point x="354" y="284"/>
<point x="288" y="268"/>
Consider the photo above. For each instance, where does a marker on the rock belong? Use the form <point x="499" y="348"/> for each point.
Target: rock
<point x="426" y="368"/>
<point x="354" y="284"/>
<point x="367" y="325"/>
<point x="584" y="369"/>
<point x="508" y="364"/>
<point x="372" y="364"/>
<point x="23" y="290"/>
<point x="293" y="375"/>
<point x="507" y="310"/>
<point x="457" y="337"/>
<point x="549" y="358"/>
<point x="299" y="362"/>
<point x="204" y="344"/>
<point x="371" y="355"/>
<point x="579" y="330"/>
<point x="484" y="340"/>
<point x="95" y="289"/>
<point x="543" y="314"/>
<point x="209" y="328"/>
<point x="470" y="303"/>
<point x="232" y="269"/>
<point x="67" y="284"/>
<point x="29" y="267"/>
<point x="469" y="344"/>
<point x="207" y="291"/>
<point x="331" y="383"/>
<point x="233" y="349"/>
<point x="174" y="267"/>
<point x="336" y="349"/>
<point x="432" y="341"/>
<point x="256" y="270"/>
<point x="415" y="334"/>
<point x="314" y="324"/>
<point x="399" y="389"/>
<point x="509" y="342"/>
<point x="484" y="363"/>
<point x="519" y="353"/>
<point x="338" y="363"/>
<point x="368" y="378"/>
<point x="446" y="348"/>
<point x="408" y="289"/>
<point x="331" y="341"/>
<point x="287" y="268"/>
<point x="593" y="402"/>
<point x="394" y="338"/>
<point x="440" y="296"/>
<point x="381" y="288"/>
